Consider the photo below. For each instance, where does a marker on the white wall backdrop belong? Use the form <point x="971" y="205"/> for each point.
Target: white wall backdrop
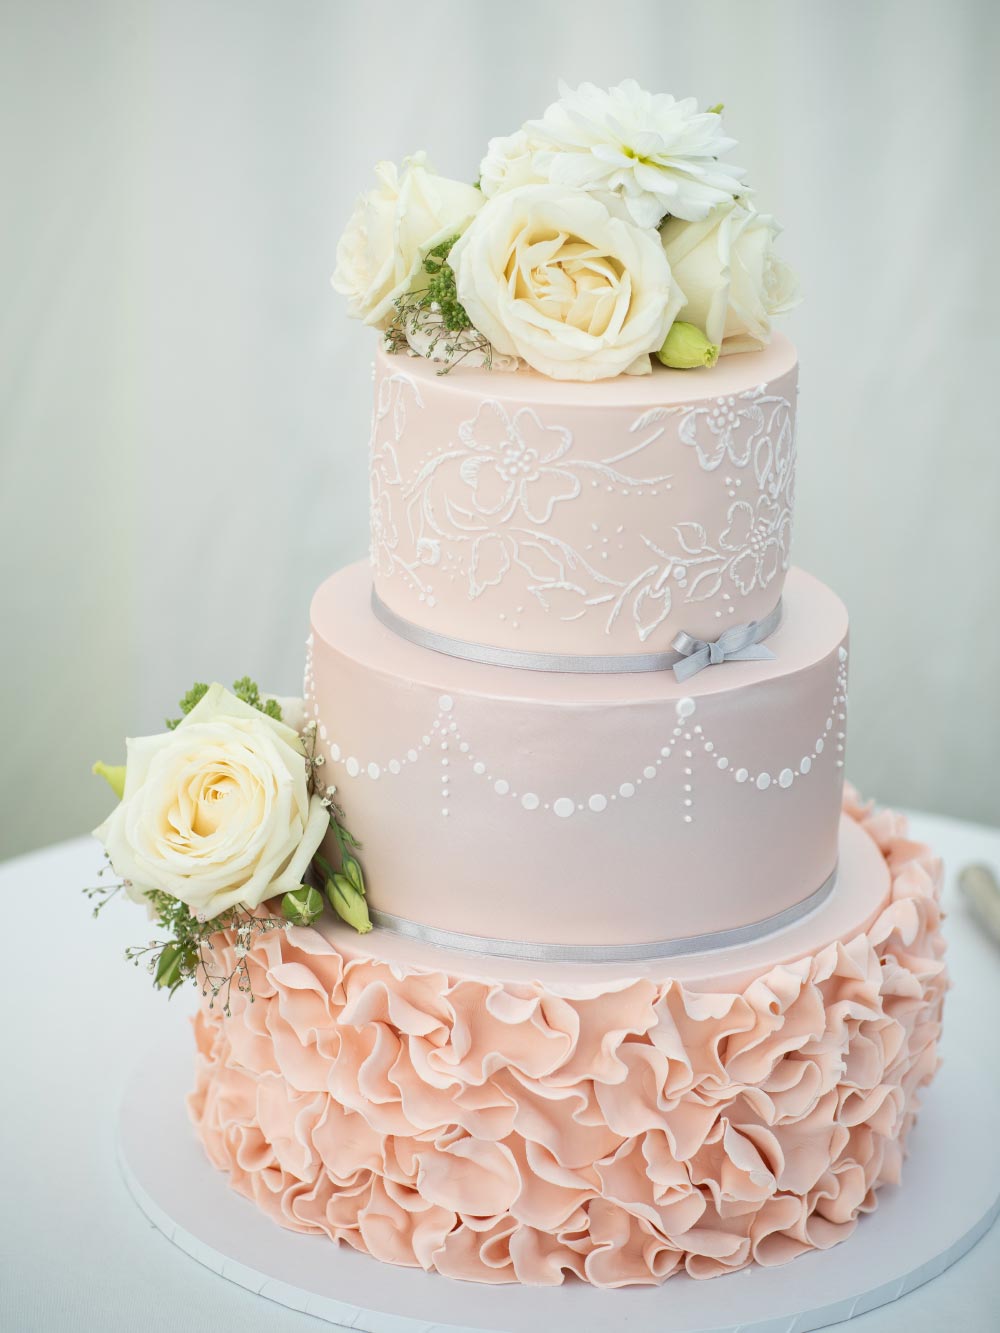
<point x="183" y="405"/>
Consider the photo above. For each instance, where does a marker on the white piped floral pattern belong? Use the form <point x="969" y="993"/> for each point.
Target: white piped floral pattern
<point x="483" y="511"/>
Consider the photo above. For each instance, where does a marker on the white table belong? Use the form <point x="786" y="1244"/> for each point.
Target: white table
<point x="76" y="1253"/>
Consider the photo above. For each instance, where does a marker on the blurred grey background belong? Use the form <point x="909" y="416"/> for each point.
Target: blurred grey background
<point x="184" y="406"/>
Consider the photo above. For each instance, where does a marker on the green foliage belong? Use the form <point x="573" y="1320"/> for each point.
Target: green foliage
<point x="433" y="311"/>
<point x="190" y="700"/>
<point x="244" y="688"/>
<point x="192" y="953"/>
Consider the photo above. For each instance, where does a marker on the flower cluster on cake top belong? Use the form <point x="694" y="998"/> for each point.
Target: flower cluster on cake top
<point x="605" y="233"/>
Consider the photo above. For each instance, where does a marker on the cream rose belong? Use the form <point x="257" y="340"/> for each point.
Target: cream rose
<point x="732" y="279"/>
<point x="381" y="253"/>
<point x="509" y="163"/>
<point x="217" y="812"/>
<point x="555" y="277"/>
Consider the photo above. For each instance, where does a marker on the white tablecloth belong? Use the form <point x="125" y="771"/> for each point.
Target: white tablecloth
<point x="76" y="1253"/>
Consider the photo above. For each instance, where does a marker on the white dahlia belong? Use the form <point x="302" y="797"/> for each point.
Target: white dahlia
<point x="658" y="155"/>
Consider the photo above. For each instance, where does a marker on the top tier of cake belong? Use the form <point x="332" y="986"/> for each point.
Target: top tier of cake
<point x="525" y="513"/>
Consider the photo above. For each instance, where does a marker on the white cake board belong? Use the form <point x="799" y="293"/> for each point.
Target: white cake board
<point x="949" y="1199"/>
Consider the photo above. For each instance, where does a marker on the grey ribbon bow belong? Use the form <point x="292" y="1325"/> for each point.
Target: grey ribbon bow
<point x="739" y="643"/>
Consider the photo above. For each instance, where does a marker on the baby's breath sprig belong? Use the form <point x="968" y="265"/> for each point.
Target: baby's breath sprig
<point x="437" y="316"/>
<point x="192" y="952"/>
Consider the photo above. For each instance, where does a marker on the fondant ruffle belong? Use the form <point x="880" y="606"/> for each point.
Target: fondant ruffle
<point x="516" y="1132"/>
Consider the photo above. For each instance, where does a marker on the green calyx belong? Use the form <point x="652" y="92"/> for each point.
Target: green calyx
<point x="113" y="775"/>
<point x="686" y="347"/>
<point x="345" y="890"/>
<point x="302" y="906"/>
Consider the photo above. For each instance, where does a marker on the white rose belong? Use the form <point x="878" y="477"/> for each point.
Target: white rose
<point x="731" y="277"/>
<point x="391" y="230"/>
<point x="508" y="164"/>
<point x="217" y="812"/>
<point x="293" y="710"/>
<point x="554" y="277"/>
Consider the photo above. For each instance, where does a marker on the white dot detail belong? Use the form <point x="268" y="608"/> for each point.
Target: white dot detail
<point x="374" y="772"/>
<point x="564" y="807"/>
<point x="335" y="753"/>
<point x="446" y="703"/>
<point x="353" y="767"/>
<point x="529" y="800"/>
<point x="394" y="766"/>
<point x="763" y="782"/>
<point x="649" y="772"/>
<point x="479" y="767"/>
<point x="741" y="775"/>
<point x="626" y="789"/>
<point x="786" y="777"/>
<point x="805" y="764"/>
<point x="685" y="707"/>
<point x="501" y="786"/>
<point x="722" y="763"/>
<point x="598" y="803"/>
<point x="412" y="756"/>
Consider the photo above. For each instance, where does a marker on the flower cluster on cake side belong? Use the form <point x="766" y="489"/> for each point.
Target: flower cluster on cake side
<point x="219" y="816"/>
<point x="607" y="232"/>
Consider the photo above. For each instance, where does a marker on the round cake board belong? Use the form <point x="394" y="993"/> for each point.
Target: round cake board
<point x="949" y="1198"/>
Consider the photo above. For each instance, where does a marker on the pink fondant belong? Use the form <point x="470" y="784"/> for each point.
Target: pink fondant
<point x="620" y="1130"/>
<point x="524" y="512"/>
<point x="502" y="838"/>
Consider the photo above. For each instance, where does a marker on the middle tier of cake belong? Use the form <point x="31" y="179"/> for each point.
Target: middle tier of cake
<point x="593" y="810"/>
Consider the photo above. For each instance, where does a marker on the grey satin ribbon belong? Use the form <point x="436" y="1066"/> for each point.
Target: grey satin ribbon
<point x="528" y="952"/>
<point x="742" y="643"/>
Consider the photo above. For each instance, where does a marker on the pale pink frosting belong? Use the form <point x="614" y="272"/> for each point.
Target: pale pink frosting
<point x="506" y="1132"/>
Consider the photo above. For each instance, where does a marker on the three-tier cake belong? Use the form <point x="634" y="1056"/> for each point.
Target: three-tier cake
<point x="647" y="991"/>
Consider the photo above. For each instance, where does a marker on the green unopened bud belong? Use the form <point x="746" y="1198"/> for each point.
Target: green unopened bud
<point x="348" y="903"/>
<point x="302" y="905"/>
<point x="113" y="775"/>
<point x="351" y="868"/>
<point x="173" y="966"/>
<point x="717" y="110"/>
<point x="686" y="347"/>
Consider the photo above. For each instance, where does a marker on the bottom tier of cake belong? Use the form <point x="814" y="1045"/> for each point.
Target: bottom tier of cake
<point x="508" y="1122"/>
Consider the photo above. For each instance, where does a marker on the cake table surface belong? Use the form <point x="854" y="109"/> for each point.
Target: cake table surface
<point x="77" y="1251"/>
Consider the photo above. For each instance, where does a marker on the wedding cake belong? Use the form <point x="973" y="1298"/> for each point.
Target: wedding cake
<point x="619" y="980"/>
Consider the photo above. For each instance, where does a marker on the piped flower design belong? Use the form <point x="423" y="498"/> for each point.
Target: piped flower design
<point x="758" y="534"/>
<point x="513" y="464"/>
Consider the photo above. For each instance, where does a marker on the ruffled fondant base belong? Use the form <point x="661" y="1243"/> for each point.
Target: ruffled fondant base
<point x="506" y="1131"/>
